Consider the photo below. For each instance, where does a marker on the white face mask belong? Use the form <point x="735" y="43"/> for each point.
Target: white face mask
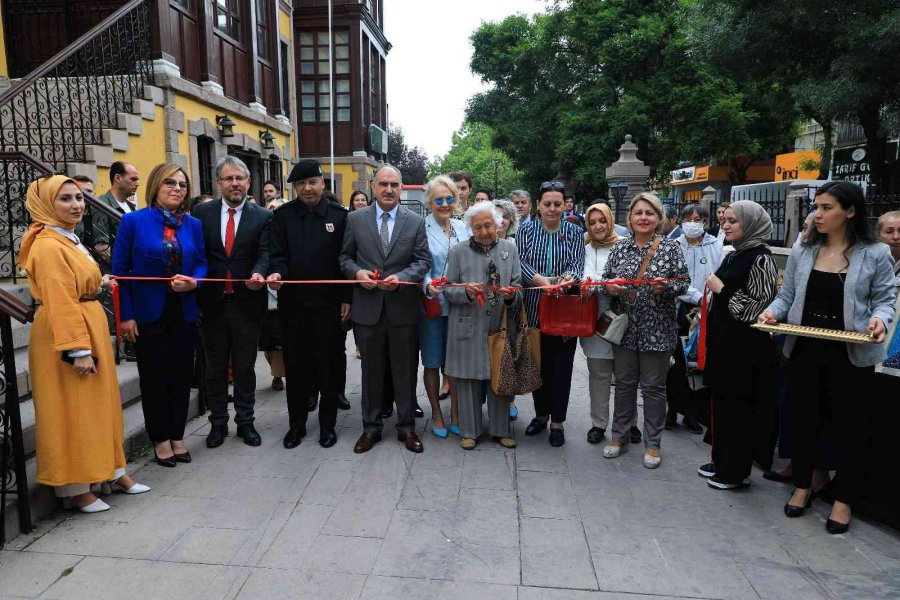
<point x="692" y="229"/>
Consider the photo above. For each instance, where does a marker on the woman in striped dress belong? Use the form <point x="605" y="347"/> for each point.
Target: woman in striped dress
<point x="551" y="251"/>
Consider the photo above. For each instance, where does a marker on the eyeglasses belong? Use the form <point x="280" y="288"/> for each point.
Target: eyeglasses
<point x="556" y="186"/>
<point x="388" y="184"/>
<point x="440" y="201"/>
<point x="234" y="178"/>
<point x="171" y="183"/>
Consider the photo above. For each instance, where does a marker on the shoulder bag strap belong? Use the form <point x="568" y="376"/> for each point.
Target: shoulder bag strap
<point x="646" y="263"/>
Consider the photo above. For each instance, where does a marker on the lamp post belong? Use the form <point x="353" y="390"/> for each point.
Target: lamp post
<point x="618" y="190"/>
<point x="496" y="168"/>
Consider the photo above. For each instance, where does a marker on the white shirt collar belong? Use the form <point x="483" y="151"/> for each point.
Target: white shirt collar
<point x="237" y="208"/>
<point x="66" y="234"/>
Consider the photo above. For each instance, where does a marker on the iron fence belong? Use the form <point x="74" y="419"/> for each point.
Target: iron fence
<point x="60" y="109"/>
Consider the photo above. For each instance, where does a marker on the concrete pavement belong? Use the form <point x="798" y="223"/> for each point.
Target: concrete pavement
<point x="534" y="523"/>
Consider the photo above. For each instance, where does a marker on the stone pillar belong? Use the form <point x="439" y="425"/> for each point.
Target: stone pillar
<point x="707" y="199"/>
<point x="796" y="207"/>
<point x="630" y="170"/>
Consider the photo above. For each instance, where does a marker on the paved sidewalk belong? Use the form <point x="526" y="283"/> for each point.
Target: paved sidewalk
<point x="534" y="523"/>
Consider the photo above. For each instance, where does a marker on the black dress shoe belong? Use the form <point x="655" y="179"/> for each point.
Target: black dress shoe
<point x="793" y="512"/>
<point x="557" y="437"/>
<point x="418" y="412"/>
<point x="835" y="528"/>
<point x="775" y="476"/>
<point x="164" y="462"/>
<point x="366" y="441"/>
<point x="312" y="402"/>
<point x="387" y="412"/>
<point x="536" y="426"/>
<point x="184" y="457"/>
<point x="595" y="435"/>
<point x="293" y="436"/>
<point x="327" y="439"/>
<point x="249" y="434"/>
<point x="692" y="426"/>
<point x="342" y="402"/>
<point x="635" y="435"/>
<point x="216" y="436"/>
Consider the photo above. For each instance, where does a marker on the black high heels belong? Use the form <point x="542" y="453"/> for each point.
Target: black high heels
<point x="792" y="512"/>
<point x="835" y="528"/>
<point x="164" y="462"/>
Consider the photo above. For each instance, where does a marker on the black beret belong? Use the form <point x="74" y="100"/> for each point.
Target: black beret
<point x="305" y="169"/>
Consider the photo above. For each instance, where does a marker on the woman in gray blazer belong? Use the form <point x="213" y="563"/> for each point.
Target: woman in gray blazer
<point x="840" y="277"/>
<point x="483" y="260"/>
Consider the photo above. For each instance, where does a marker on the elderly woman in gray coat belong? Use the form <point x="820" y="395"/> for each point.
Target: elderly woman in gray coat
<point x="475" y="313"/>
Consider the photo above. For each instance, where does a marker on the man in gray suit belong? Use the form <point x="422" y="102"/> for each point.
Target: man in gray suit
<point x="390" y="240"/>
<point x="123" y="180"/>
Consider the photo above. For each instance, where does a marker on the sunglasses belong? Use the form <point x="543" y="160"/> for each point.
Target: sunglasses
<point x="440" y="201"/>
<point x="556" y="186"/>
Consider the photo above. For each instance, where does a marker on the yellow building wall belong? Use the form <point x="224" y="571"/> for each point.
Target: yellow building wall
<point x="4" y="68"/>
<point x="144" y="152"/>
<point x="195" y="110"/>
<point x="284" y="25"/>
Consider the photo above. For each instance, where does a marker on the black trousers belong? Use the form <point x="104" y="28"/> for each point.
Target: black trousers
<point x="165" y="358"/>
<point x="314" y="362"/>
<point x="827" y="393"/>
<point x="557" y="360"/>
<point x="733" y="416"/>
<point x="230" y="335"/>
<point x="385" y="346"/>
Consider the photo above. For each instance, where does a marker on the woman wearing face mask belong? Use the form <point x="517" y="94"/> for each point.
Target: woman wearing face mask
<point x="599" y="353"/>
<point x="742" y="390"/>
<point x="703" y="255"/>
<point x="841" y="278"/>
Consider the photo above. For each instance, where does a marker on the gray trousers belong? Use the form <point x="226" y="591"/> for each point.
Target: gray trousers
<point x="647" y="369"/>
<point x="600" y="372"/>
<point x="468" y="398"/>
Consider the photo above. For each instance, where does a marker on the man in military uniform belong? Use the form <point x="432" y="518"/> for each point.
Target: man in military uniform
<point x="306" y="244"/>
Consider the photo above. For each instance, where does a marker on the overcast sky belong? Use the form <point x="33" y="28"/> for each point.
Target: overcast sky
<point x="428" y="77"/>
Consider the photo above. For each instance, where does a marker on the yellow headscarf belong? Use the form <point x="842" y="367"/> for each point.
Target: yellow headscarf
<point x="39" y="204"/>
<point x="611" y="236"/>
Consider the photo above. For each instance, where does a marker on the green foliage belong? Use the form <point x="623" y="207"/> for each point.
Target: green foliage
<point x="472" y="151"/>
<point x="568" y="86"/>
<point x="412" y="162"/>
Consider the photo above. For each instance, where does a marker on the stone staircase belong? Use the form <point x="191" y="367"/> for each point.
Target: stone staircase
<point x="43" y="501"/>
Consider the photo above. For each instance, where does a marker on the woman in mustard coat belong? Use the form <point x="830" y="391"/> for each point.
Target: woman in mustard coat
<point x="78" y="411"/>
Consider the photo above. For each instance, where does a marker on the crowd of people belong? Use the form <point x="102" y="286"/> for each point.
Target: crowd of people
<point x="215" y="279"/>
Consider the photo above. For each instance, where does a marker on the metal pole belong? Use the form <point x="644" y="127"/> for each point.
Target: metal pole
<point x="331" y="88"/>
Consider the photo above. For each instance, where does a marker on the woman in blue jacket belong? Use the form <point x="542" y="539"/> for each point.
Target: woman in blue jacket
<point x="840" y="277"/>
<point x="160" y="317"/>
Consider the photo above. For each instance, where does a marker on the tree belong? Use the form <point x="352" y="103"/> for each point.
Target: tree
<point x="836" y="58"/>
<point x="473" y="151"/>
<point x="568" y="86"/>
<point x="412" y="162"/>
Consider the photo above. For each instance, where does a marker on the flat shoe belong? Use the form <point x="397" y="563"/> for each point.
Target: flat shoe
<point x="468" y="443"/>
<point x="835" y="528"/>
<point x="595" y="435"/>
<point x="557" y="437"/>
<point x="513" y="413"/>
<point x="651" y="458"/>
<point x="137" y="488"/>
<point x="635" y="435"/>
<point x="443" y="395"/>
<point x="96" y="506"/>
<point x="536" y="426"/>
<point x="614" y="449"/>
<point x="775" y="476"/>
<point x="506" y="442"/>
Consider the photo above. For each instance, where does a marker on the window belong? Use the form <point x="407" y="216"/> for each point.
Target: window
<point x="205" y="164"/>
<point x="228" y="18"/>
<point x="375" y="85"/>
<point x="262" y="29"/>
<point x="314" y="70"/>
<point x="273" y="170"/>
<point x="285" y="80"/>
<point x="185" y="4"/>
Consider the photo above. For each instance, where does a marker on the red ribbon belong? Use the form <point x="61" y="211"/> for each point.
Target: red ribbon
<point x="114" y="287"/>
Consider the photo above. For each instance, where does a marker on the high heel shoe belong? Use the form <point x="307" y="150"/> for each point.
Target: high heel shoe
<point x="792" y="512"/>
<point x="454" y="429"/>
<point x="136" y="488"/>
<point x="184" y="457"/>
<point x="440" y="432"/>
<point x="164" y="462"/>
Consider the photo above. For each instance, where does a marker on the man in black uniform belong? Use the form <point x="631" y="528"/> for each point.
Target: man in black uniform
<point x="305" y="244"/>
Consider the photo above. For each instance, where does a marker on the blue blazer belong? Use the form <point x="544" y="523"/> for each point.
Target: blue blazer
<point x="868" y="292"/>
<point x="138" y="252"/>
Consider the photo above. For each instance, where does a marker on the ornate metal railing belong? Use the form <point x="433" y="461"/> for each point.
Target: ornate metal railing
<point x="98" y="231"/>
<point x="13" y="479"/>
<point x="61" y="108"/>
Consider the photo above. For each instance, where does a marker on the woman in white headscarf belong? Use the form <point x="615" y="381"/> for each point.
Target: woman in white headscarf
<point x="742" y="390"/>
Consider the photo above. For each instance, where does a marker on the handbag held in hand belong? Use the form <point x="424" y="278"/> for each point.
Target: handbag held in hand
<point x="515" y="355"/>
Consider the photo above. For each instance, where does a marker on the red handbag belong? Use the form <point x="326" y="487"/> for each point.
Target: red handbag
<point x="432" y="306"/>
<point x="568" y="316"/>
